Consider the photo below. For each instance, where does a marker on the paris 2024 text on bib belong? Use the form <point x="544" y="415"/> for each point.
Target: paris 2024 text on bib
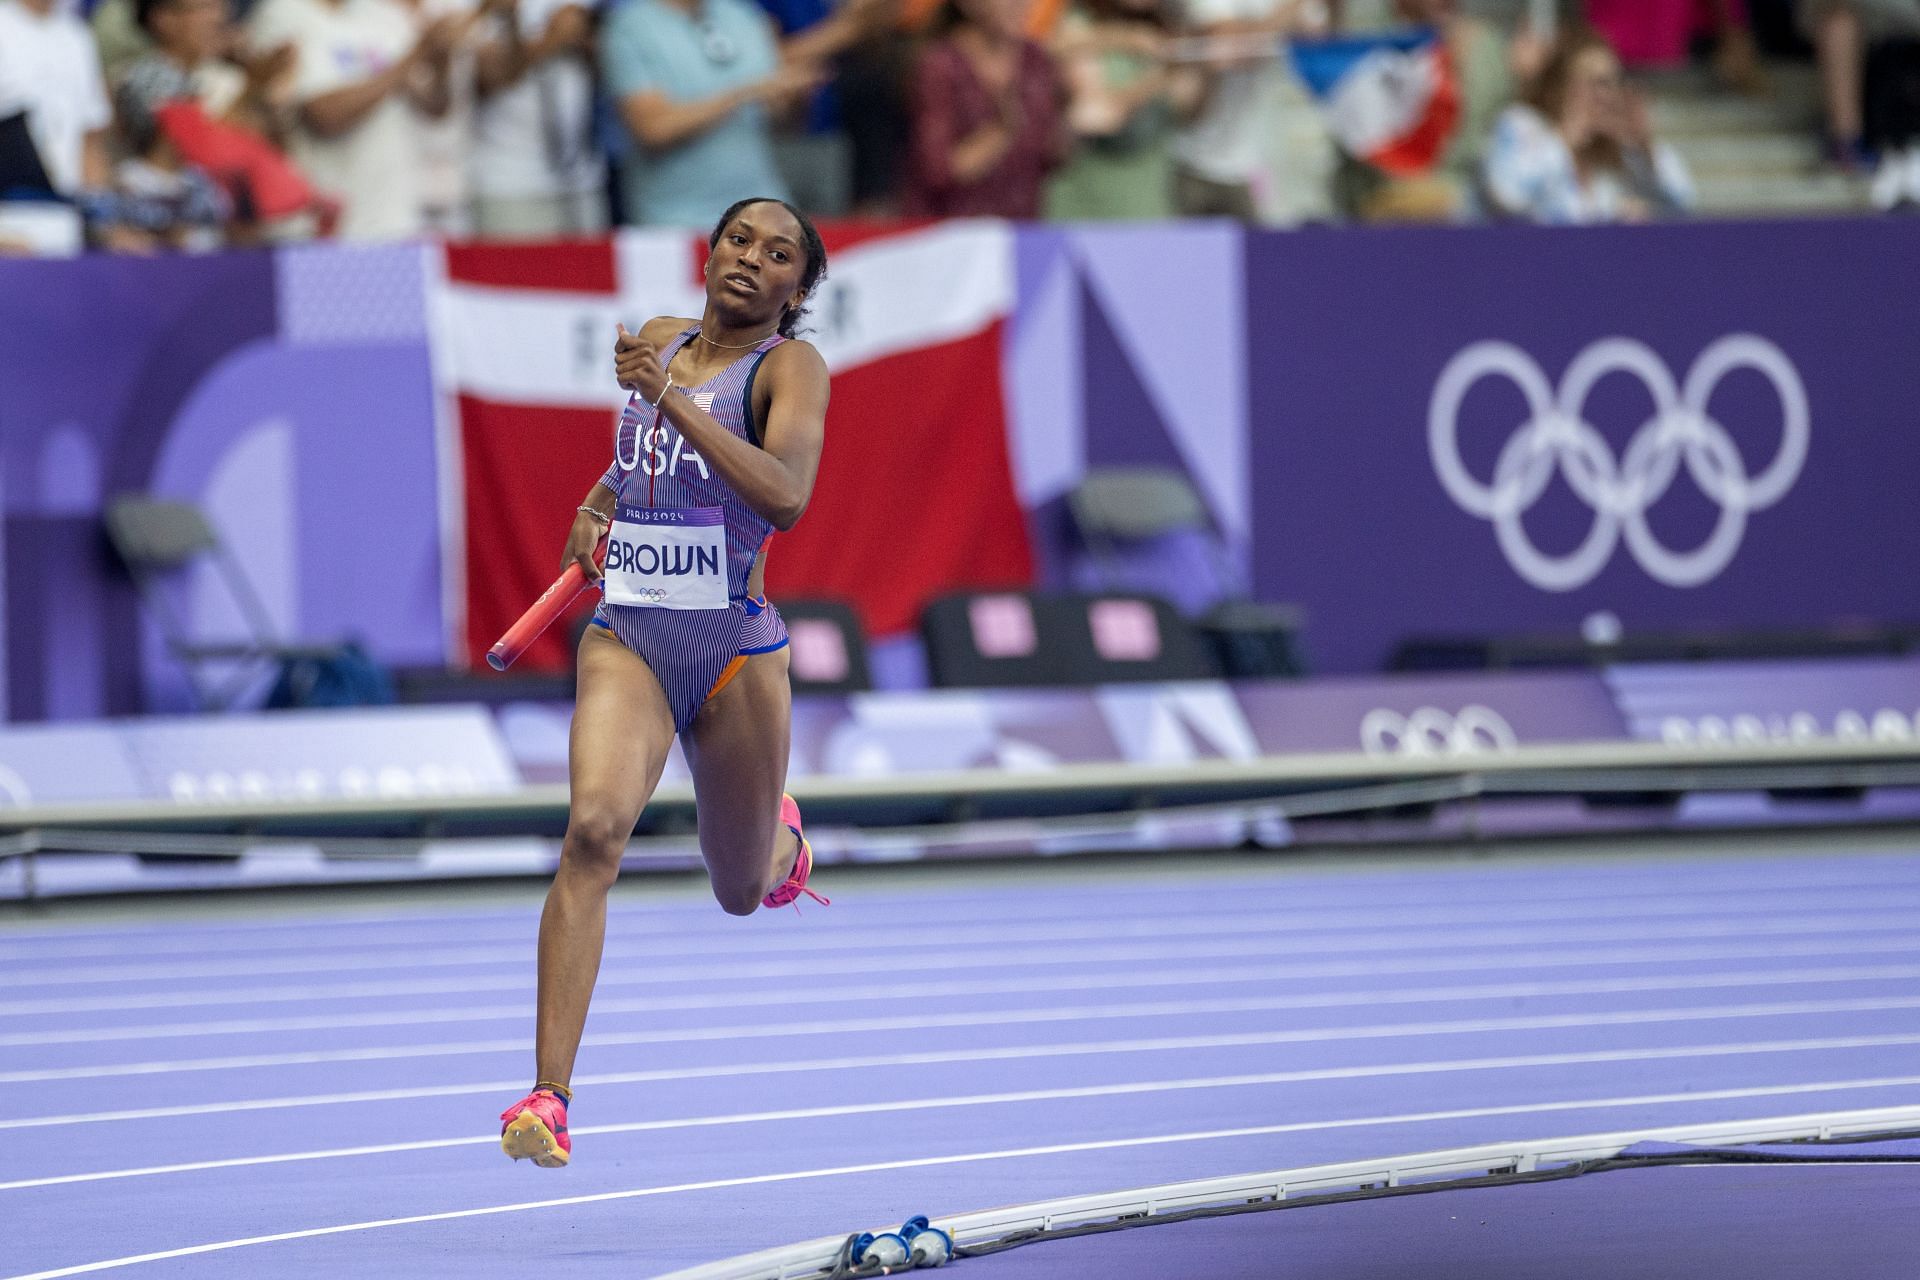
<point x="667" y="558"/>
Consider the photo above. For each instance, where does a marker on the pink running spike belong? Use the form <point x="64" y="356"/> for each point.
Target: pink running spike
<point x="535" y="1128"/>
<point x="790" y="889"/>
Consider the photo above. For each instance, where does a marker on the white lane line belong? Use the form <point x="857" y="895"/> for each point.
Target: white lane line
<point x="941" y="934"/>
<point x="1024" y="1053"/>
<point x="987" y="1100"/>
<point x="897" y="1024"/>
<point x="1853" y="925"/>
<point x="1890" y="910"/>
<point x="1504" y="960"/>
<point x="1232" y="976"/>
<point x="635" y="1193"/>
<point x="1297" y="890"/>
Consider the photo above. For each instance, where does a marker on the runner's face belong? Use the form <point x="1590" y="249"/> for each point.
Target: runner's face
<point x="754" y="272"/>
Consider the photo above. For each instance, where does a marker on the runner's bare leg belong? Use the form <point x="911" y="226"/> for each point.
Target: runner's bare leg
<point x="622" y="730"/>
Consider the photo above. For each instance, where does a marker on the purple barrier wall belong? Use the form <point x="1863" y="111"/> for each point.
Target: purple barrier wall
<point x="1493" y="430"/>
<point x="287" y="394"/>
<point x="419" y="749"/>
<point x="1129" y="348"/>
<point x="890" y="734"/>
<point x="451" y="750"/>
<point x="1753" y="703"/>
<point x="1508" y="430"/>
<point x="387" y="752"/>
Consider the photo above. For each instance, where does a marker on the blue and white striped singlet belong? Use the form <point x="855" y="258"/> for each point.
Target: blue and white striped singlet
<point x="694" y="652"/>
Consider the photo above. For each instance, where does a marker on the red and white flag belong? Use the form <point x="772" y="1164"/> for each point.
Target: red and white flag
<point x="915" y="495"/>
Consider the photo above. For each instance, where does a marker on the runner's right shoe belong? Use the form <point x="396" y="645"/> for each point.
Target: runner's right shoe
<point x="535" y="1128"/>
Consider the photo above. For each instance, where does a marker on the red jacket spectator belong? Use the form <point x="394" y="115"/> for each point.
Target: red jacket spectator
<point x="987" y="113"/>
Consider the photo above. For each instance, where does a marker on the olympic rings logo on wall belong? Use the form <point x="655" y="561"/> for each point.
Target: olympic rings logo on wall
<point x="1429" y="731"/>
<point x="1557" y="438"/>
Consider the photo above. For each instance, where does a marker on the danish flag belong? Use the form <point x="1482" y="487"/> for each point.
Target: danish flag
<point x="915" y="495"/>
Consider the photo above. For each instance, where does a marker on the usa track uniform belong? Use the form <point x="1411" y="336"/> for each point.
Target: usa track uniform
<point x="683" y="544"/>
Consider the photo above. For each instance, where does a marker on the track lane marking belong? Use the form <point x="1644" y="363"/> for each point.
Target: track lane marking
<point x="712" y="1184"/>
<point x="1854" y="925"/>
<point x="986" y="1100"/>
<point x="1217" y="923"/>
<point x="1022" y="1053"/>
<point x="1022" y="986"/>
<point x="1576" y="885"/>
<point x="896" y="1024"/>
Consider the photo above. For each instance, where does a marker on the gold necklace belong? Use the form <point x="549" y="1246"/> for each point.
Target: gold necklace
<point x="733" y="346"/>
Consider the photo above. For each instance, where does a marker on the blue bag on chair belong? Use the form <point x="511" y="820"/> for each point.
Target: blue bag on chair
<point x="345" y="678"/>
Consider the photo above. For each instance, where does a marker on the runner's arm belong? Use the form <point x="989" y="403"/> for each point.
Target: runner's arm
<point x="583" y="539"/>
<point x="776" y="479"/>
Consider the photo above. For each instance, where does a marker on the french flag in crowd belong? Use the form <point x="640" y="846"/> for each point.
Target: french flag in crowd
<point x="915" y="495"/>
<point x="1391" y="100"/>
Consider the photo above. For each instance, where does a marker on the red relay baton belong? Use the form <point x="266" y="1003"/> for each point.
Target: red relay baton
<point x="553" y="602"/>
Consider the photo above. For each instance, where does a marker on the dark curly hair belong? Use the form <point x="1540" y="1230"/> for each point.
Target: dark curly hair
<point x="816" y="268"/>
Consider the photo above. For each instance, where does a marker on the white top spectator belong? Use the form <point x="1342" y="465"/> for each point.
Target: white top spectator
<point x="1581" y="147"/>
<point x="50" y="70"/>
<point x="373" y="166"/>
<point x="1531" y="174"/>
<point x="1226" y="141"/>
<point x="535" y="137"/>
<point x="446" y="143"/>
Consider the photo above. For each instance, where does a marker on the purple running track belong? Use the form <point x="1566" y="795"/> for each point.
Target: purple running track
<point x="1685" y="1223"/>
<point x="313" y="1092"/>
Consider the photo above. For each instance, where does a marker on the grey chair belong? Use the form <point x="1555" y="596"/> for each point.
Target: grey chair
<point x="1146" y="529"/>
<point x="1135" y="503"/>
<point x="158" y="541"/>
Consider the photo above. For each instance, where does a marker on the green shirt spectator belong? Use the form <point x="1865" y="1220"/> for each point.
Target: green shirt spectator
<point x="1124" y="106"/>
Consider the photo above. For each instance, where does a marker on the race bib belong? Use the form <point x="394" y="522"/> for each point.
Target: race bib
<point x="668" y="558"/>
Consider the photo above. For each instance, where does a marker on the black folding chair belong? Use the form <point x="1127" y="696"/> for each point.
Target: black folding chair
<point x="1022" y="639"/>
<point x="158" y="542"/>
<point x="829" y="647"/>
<point x="1118" y="638"/>
<point x="988" y="639"/>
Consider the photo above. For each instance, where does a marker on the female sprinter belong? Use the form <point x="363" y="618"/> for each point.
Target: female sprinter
<point x="716" y="450"/>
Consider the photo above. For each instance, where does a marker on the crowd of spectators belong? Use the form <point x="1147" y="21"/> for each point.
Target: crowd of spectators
<point x="185" y="124"/>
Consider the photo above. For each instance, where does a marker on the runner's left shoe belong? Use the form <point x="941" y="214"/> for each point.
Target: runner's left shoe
<point x="790" y="889"/>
